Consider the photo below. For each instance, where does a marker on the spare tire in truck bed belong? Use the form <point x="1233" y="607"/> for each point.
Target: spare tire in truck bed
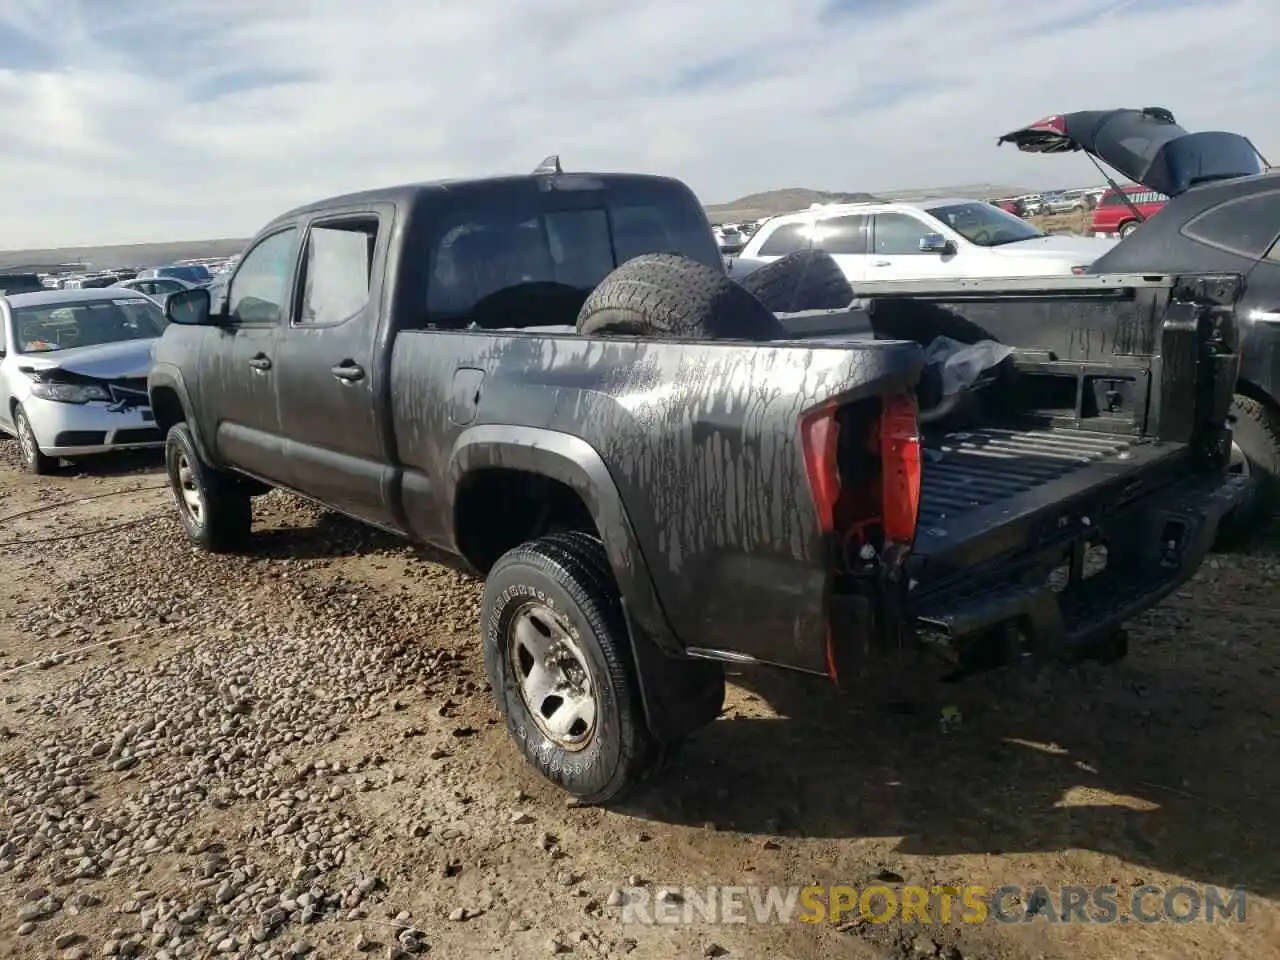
<point x="804" y="280"/>
<point x="661" y="294"/>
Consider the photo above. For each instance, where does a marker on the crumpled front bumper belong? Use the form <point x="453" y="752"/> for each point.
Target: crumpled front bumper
<point x="77" y="429"/>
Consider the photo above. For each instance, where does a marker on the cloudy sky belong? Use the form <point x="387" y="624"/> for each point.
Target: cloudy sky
<point x="140" y="120"/>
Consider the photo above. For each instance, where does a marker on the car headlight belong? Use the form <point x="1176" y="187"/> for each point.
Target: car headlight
<point x="68" y="392"/>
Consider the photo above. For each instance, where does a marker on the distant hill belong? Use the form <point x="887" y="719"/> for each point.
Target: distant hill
<point x="969" y="191"/>
<point x="128" y="255"/>
<point x="752" y="207"/>
<point x="774" y="202"/>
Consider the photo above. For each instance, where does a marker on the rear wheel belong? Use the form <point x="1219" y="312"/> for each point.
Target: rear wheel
<point x="1255" y="453"/>
<point x="35" y="461"/>
<point x="214" y="508"/>
<point x="558" y="659"/>
<point x="1128" y="228"/>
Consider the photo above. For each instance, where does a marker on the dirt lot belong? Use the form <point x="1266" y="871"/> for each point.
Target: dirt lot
<point x="293" y="752"/>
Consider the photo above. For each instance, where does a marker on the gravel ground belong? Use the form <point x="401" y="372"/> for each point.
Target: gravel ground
<point x="293" y="753"/>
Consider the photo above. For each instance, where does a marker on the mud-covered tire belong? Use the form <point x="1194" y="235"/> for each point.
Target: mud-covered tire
<point x="29" y="446"/>
<point x="1255" y="431"/>
<point x="566" y="576"/>
<point x="661" y="294"/>
<point x="804" y="280"/>
<point x="214" y="508"/>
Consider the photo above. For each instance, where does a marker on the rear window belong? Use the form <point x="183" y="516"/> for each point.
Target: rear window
<point x="1246" y="225"/>
<point x="499" y="266"/>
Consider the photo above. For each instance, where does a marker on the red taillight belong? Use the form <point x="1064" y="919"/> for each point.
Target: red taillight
<point x="888" y="497"/>
<point x="1079" y="270"/>
<point x="820" y="437"/>
<point x="900" y="463"/>
<point x="878" y="502"/>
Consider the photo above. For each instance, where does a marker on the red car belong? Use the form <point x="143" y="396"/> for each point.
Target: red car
<point x="1113" y="216"/>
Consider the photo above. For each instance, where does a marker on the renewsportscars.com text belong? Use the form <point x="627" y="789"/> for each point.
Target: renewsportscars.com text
<point x="932" y="905"/>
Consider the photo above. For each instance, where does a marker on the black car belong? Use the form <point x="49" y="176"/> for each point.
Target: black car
<point x="1223" y="216"/>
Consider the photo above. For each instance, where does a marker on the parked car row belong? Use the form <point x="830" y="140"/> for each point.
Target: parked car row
<point x="1112" y="212"/>
<point x="199" y="272"/>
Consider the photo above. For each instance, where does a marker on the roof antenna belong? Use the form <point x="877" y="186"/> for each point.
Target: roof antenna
<point x="550" y="165"/>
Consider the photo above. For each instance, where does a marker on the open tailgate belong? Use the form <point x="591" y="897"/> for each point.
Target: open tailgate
<point x="1146" y="145"/>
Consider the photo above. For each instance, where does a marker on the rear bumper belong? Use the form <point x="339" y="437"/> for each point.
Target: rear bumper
<point x="1153" y="546"/>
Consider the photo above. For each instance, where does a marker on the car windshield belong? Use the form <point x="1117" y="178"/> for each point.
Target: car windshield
<point x="983" y="224"/>
<point x="63" y="326"/>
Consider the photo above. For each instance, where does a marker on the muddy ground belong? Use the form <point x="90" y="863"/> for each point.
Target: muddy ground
<point x="293" y="752"/>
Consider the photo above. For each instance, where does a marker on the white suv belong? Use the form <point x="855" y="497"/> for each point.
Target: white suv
<point x="928" y="240"/>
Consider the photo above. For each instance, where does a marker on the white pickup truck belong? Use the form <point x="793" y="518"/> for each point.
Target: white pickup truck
<point x="928" y="240"/>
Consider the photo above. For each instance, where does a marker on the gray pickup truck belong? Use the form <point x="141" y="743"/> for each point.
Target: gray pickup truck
<point x="551" y="378"/>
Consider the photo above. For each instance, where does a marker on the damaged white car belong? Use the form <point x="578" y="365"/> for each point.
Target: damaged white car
<point x="73" y="373"/>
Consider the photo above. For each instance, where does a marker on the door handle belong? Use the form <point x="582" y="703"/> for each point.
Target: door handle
<point x="348" y="371"/>
<point x="261" y="362"/>
<point x="882" y="263"/>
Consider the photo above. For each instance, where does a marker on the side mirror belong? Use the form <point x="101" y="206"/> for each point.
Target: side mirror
<point x="188" y="307"/>
<point x="935" y="243"/>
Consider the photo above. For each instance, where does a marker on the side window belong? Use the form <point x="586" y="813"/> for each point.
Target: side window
<point x="897" y="234"/>
<point x="1247" y="226"/>
<point x="839" y="235"/>
<point x="787" y="238"/>
<point x="258" y="289"/>
<point x="337" y="270"/>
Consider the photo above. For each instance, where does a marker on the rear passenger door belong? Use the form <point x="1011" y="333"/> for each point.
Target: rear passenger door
<point x="845" y="238"/>
<point x="330" y="385"/>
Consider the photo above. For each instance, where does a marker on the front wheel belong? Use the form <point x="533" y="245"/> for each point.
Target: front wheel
<point x="558" y="659"/>
<point x="35" y="461"/>
<point x="214" y="509"/>
<point x="1128" y="229"/>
